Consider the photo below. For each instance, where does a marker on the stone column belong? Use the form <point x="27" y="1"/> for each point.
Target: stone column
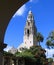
<point x="16" y="61"/>
<point x="10" y="61"/>
<point x="3" y="60"/>
<point x="2" y="46"/>
<point x="23" y="62"/>
<point x="13" y="61"/>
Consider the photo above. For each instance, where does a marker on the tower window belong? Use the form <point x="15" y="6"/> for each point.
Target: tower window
<point x="25" y="42"/>
<point x="30" y="41"/>
<point x="28" y="23"/>
<point x="28" y="32"/>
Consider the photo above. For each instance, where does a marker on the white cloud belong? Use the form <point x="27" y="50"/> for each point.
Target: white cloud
<point x="20" y="11"/>
<point x="34" y="1"/>
<point x="49" y="52"/>
<point x="31" y="0"/>
<point x="7" y="48"/>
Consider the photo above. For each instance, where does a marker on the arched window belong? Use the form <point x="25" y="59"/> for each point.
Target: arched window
<point x="28" y="32"/>
<point x="28" y="23"/>
<point x="30" y="41"/>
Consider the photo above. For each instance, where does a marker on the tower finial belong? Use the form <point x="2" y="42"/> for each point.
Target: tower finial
<point x="30" y="16"/>
<point x="30" y="12"/>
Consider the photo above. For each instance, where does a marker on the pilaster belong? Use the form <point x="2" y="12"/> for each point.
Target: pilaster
<point x="2" y="46"/>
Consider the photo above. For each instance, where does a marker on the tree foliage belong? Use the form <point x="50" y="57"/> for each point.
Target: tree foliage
<point x="50" y="40"/>
<point x="50" y="60"/>
<point x="40" y="37"/>
<point x="7" y="53"/>
<point x="35" y="53"/>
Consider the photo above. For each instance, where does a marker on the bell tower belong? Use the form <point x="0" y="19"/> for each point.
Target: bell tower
<point x="30" y="32"/>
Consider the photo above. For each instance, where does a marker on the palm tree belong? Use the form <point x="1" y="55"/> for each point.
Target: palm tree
<point x="40" y="38"/>
<point x="50" y="40"/>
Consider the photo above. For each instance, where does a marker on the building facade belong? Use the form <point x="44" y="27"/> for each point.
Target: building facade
<point x="13" y="50"/>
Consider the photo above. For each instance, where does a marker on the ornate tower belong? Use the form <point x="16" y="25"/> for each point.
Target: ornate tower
<point x="30" y="32"/>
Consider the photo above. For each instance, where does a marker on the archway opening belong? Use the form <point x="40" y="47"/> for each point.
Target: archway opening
<point x="43" y="15"/>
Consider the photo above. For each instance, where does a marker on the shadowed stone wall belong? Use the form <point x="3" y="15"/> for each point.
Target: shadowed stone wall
<point x="7" y="9"/>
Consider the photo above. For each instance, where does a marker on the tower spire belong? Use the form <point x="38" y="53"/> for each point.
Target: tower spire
<point x="30" y="16"/>
<point x="30" y="32"/>
<point x="30" y="12"/>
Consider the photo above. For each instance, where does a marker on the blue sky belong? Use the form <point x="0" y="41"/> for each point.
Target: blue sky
<point x="43" y="11"/>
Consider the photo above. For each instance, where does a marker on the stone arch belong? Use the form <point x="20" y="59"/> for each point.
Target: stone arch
<point x="8" y="8"/>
